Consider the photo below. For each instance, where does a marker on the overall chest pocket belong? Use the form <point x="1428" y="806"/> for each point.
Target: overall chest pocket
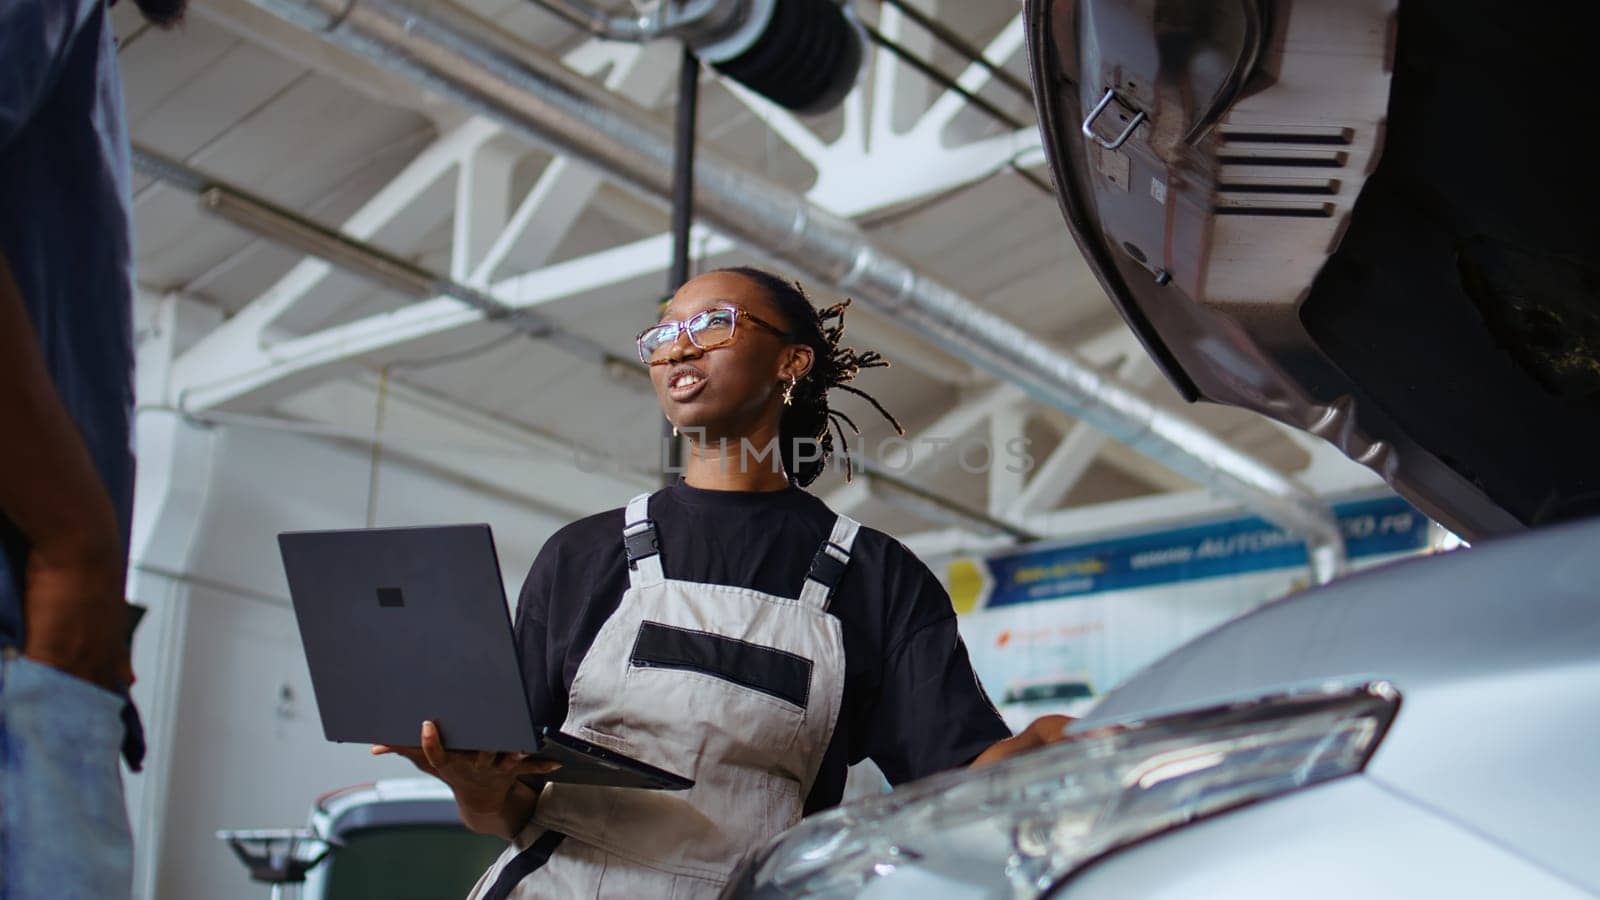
<point x="752" y="696"/>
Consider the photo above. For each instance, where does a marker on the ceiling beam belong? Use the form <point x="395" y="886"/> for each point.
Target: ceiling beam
<point x="1066" y="465"/>
<point x="236" y="366"/>
<point x="1098" y="520"/>
<point x="251" y="374"/>
<point x="976" y="77"/>
<point x="550" y="209"/>
<point x="241" y="19"/>
<point x="932" y="442"/>
<point x="246" y="327"/>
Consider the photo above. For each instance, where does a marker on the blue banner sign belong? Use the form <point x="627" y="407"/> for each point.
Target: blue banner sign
<point x="1372" y="527"/>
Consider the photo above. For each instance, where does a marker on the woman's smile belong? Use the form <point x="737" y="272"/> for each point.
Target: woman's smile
<point x="684" y="382"/>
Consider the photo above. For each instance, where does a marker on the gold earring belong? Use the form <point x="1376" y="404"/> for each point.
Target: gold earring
<point x="788" y="392"/>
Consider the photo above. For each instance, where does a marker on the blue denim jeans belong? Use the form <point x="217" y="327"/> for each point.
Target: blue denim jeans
<point x="63" y="823"/>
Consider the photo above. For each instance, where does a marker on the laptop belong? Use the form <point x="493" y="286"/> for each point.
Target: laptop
<point x="406" y="624"/>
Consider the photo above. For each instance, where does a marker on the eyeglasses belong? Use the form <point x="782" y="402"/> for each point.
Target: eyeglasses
<point x="707" y="330"/>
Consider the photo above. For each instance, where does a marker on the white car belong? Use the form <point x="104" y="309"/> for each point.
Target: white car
<point x="1026" y="699"/>
<point x="1406" y="732"/>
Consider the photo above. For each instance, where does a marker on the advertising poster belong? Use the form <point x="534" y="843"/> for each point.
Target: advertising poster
<point x="1049" y="628"/>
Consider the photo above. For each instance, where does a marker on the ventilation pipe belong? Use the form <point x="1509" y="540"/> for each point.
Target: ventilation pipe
<point x="450" y="51"/>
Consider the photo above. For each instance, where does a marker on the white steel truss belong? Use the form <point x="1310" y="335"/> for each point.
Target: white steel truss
<point x="874" y="163"/>
<point x="247" y="364"/>
<point x="1019" y="494"/>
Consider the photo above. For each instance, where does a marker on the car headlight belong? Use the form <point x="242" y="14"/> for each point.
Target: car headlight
<point x="1017" y="828"/>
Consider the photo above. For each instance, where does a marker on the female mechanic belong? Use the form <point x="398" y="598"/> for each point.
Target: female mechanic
<point x="729" y="628"/>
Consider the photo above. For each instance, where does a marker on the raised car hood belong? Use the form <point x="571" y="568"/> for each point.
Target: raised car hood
<point x="1373" y="223"/>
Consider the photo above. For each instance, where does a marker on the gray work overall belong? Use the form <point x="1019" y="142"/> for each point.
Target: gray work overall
<point x="736" y="689"/>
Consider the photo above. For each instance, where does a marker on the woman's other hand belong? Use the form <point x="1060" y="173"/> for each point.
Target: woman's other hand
<point x="480" y="779"/>
<point x="1044" y="730"/>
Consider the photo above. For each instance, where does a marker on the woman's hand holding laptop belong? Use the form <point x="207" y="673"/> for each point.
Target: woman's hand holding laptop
<point x="486" y="783"/>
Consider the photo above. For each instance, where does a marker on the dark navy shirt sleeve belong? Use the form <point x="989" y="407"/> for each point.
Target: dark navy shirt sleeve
<point x="33" y="34"/>
<point x="65" y="232"/>
<point x="931" y="713"/>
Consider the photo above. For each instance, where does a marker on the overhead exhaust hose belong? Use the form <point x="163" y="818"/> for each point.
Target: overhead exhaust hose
<point x="801" y="54"/>
<point x="806" y="59"/>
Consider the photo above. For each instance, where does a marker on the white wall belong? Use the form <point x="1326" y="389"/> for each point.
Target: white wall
<point x="235" y="754"/>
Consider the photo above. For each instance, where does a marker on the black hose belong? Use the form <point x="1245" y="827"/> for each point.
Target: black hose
<point x="683" y="168"/>
<point x="682" y="212"/>
<point x="806" y="60"/>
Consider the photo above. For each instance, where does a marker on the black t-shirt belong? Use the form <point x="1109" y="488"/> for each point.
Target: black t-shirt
<point x="911" y="701"/>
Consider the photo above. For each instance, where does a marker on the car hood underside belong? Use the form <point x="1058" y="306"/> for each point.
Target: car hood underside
<point x="1369" y="220"/>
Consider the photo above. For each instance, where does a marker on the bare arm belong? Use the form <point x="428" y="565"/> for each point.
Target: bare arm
<point x="73" y="604"/>
<point x="490" y="797"/>
<point x="1044" y="730"/>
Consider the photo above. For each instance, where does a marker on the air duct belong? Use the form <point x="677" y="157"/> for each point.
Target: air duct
<point x="453" y="52"/>
<point x="801" y="54"/>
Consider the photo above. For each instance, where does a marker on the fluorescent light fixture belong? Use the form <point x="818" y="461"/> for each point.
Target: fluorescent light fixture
<point x="292" y="231"/>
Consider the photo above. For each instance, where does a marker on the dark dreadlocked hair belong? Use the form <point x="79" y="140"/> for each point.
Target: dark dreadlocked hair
<point x="809" y="421"/>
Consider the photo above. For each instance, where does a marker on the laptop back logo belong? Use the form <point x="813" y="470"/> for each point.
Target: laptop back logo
<point x="390" y="596"/>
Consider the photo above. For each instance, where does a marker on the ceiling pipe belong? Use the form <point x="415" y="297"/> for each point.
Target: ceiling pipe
<point x="457" y="54"/>
<point x="685" y="20"/>
<point x="933" y="506"/>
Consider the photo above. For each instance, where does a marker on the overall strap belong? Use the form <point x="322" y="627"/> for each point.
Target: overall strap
<point x="827" y="567"/>
<point x="524" y="864"/>
<point x="642" y="545"/>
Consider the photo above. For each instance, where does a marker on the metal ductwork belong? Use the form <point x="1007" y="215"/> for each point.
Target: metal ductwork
<point x="801" y="54"/>
<point x="450" y="51"/>
<point x="694" y="21"/>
